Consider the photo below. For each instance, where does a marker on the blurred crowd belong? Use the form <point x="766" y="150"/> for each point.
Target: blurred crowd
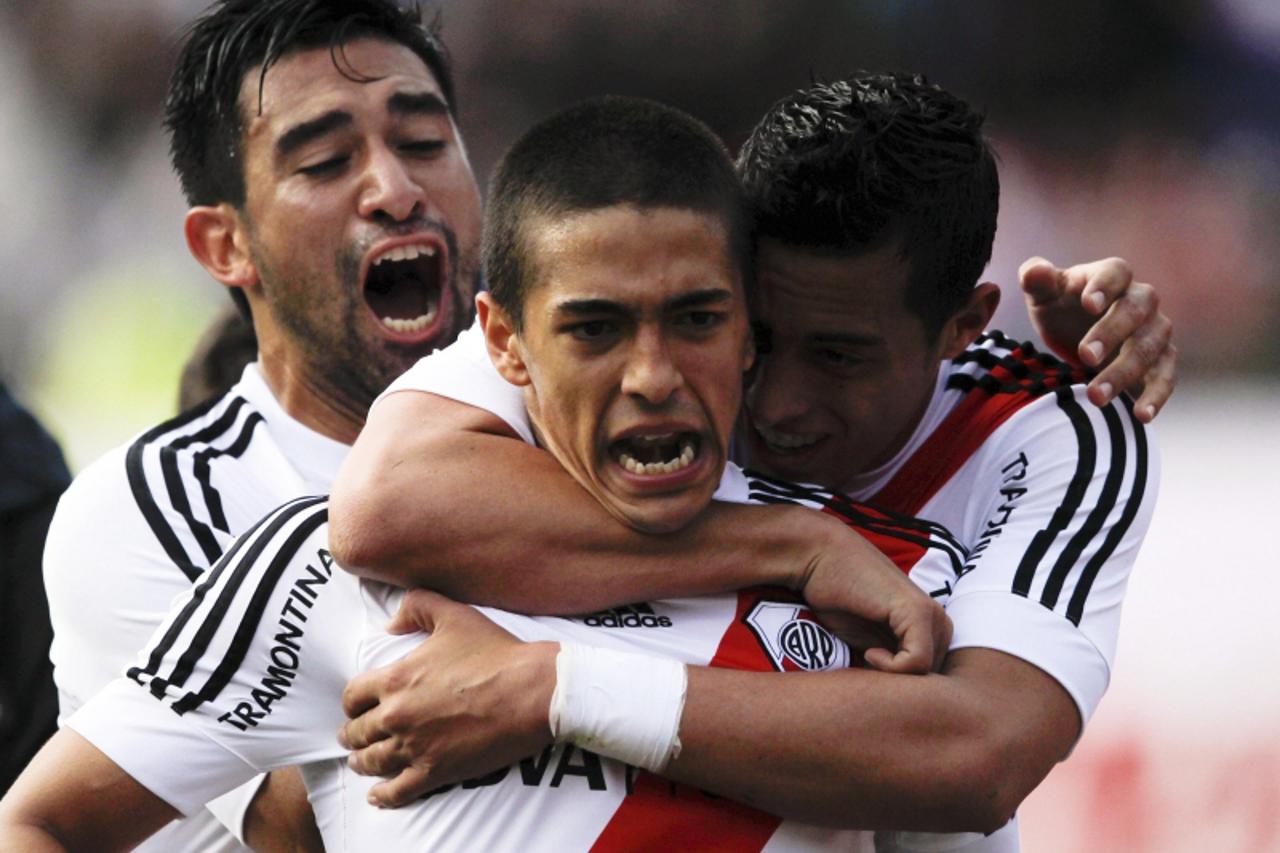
<point x="1141" y="128"/>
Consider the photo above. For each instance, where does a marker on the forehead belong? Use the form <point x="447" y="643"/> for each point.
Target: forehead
<point x="630" y="254"/>
<point x="812" y="292"/>
<point x="311" y="82"/>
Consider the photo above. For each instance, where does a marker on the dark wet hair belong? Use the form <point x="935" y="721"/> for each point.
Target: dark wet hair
<point x="873" y="160"/>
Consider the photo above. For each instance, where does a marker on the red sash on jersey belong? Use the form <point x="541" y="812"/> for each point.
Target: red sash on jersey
<point x="659" y="814"/>
<point x="963" y="431"/>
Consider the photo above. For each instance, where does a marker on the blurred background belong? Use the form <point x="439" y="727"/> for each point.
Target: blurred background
<point x="1138" y="128"/>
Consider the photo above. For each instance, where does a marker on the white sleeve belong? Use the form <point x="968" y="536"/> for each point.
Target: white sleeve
<point x="110" y="583"/>
<point x="1059" y="500"/>
<point x="462" y="371"/>
<point x="246" y="674"/>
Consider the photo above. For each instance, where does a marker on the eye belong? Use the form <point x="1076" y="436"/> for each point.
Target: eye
<point x="837" y="358"/>
<point x="698" y="320"/>
<point x="325" y="167"/>
<point x="423" y="147"/>
<point x="593" y="330"/>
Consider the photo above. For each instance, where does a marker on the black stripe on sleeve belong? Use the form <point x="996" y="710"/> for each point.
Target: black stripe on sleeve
<point x="217" y="612"/>
<point x="212" y="499"/>
<point x="849" y="509"/>
<point x="202" y="587"/>
<point x="1075" y="608"/>
<point x="1106" y="503"/>
<point x="142" y="496"/>
<point x="917" y="531"/>
<point x="177" y="489"/>
<point x="1085" y="462"/>
<point x="252" y="618"/>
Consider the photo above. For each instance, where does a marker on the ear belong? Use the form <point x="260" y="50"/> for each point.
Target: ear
<point x="503" y="342"/>
<point x="966" y="324"/>
<point x="217" y="239"/>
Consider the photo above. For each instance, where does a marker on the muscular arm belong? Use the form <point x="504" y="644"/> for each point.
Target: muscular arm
<point x="280" y="818"/>
<point x="455" y="502"/>
<point x="73" y="797"/>
<point x="957" y="750"/>
<point x="951" y="751"/>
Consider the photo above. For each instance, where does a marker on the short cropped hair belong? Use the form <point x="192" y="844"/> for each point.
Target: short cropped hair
<point x="233" y="37"/>
<point x="873" y="160"/>
<point x="602" y="153"/>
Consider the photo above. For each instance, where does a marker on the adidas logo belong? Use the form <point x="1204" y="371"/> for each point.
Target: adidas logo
<point x="631" y="616"/>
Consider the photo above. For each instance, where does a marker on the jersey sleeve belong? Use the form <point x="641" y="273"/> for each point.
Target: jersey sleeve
<point x="1059" y="500"/>
<point x="246" y="673"/>
<point x="463" y="372"/>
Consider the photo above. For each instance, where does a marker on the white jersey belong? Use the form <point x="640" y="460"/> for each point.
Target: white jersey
<point x="247" y="674"/>
<point x="1046" y="498"/>
<point x="140" y="525"/>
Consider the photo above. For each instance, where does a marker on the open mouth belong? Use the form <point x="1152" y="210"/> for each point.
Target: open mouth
<point x="403" y="286"/>
<point x="650" y="455"/>
<point x="777" y="441"/>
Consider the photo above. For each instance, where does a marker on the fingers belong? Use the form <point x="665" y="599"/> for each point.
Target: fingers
<point x="410" y="784"/>
<point x="363" y="729"/>
<point x="1160" y="382"/>
<point x="923" y="641"/>
<point x="1146" y="355"/>
<point x="1101" y="283"/>
<point x="362" y="693"/>
<point x="382" y="758"/>
<point x="419" y="611"/>
<point x="1042" y="283"/>
<point x="1133" y="314"/>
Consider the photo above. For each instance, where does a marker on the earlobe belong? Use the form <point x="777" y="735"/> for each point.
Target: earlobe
<point x="216" y="239"/>
<point x="966" y="324"/>
<point x="502" y="340"/>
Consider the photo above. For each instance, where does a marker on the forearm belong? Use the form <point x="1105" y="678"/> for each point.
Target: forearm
<point x="72" y="797"/>
<point x="280" y="818"/>
<point x="442" y="509"/>
<point x="956" y="751"/>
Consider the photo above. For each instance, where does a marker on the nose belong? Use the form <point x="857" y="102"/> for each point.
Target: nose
<point x="390" y="189"/>
<point x="650" y="373"/>
<point x="779" y="393"/>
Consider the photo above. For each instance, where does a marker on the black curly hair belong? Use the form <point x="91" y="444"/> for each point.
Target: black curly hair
<point x="879" y="159"/>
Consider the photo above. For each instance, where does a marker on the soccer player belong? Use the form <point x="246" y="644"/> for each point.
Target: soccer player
<point x="876" y="205"/>
<point x="620" y="207"/>
<point x="331" y="193"/>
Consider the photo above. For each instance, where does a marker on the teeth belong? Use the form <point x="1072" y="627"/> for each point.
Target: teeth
<point x="784" y="440"/>
<point x="684" y="460"/>
<point x="405" y="253"/>
<point x="417" y="324"/>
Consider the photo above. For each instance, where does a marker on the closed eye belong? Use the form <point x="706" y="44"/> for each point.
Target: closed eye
<point x="324" y="167"/>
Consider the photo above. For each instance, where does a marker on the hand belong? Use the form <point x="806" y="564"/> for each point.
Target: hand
<point x="1132" y="338"/>
<point x="855" y="590"/>
<point x="469" y="700"/>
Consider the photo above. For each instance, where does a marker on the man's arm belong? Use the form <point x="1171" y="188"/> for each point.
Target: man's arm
<point x="422" y="458"/>
<point x="73" y="797"/>
<point x="556" y="549"/>
<point x="528" y="539"/>
<point x="952" y="751"/>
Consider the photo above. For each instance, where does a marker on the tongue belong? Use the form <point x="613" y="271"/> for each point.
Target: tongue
<point x="403" y="299"/>
<point x="649" y="452"/>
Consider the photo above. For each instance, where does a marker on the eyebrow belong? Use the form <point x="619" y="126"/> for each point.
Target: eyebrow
<point x="694" y="299"/>
<point x="300" y="134"/>
<point x="417" y="103"/>
<point x="400" y="103"/>
<point x="851" y="338"/>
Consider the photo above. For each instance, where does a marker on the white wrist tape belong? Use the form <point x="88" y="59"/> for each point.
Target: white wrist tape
<point x="618" y="704"/>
